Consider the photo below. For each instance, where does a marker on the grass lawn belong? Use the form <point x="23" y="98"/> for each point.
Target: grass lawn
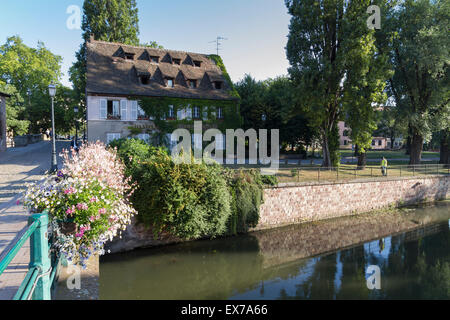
<point x="400" y="154"/>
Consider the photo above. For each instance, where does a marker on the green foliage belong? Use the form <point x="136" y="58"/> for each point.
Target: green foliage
<point x="332" y="56"/>
<point x="190" y="200"/>
<point x="246" y="188"/>
<point x="269" y="180"/>
<point x="420" y="55"/>
<point x="219" y="62"/>
<point x="25" y="73"/>
<point x="158" y="108"/>
<point x="274" y="99"/>
<point x="134" y="131"/>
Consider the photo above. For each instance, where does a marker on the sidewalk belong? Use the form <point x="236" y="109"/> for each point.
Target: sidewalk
<point x="19" y="166"/>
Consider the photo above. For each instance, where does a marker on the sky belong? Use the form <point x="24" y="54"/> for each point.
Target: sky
<point x="256" y="30"/>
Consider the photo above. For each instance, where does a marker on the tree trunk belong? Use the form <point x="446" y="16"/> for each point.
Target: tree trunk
<point x="362" y="158"/>
<point x="415" y="155"/>
<point x="392" y="140"/>
<point x="445" y="149"/>
<point x="408" y="146"/>
<point x="326" y="153"/>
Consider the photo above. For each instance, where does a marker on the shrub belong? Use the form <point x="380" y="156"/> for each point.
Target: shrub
<point x="269" y="180"/>
<point x="187" y="200"/>
<point x="246" y="188"/>
<point x="190" y="200"/>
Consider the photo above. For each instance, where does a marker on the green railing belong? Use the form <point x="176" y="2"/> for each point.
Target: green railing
<point x="43" y="265"/>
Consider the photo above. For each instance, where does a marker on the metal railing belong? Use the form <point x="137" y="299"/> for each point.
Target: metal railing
<point x="43" y="265"/>
<point x="294" y="173"/>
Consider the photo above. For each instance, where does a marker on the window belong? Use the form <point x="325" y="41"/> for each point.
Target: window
<point x="171" y="114"/>
<point x="111" y="137"/>
<point x="345" y="133"/>
<point x="373" y="142"/>
<point x="145" y="79"/>
<point x="263" y="117"/>
<point x="176" y="61"/>
<point x="170" y="83"/>
<point x="345" y="142"/>
<point x="219" y="113"/>
<point x="129" y="56"/>
<point x="154" y="59"/>
<point x="380" y="142"/>
<point x="113" y="112"/>
<point x="196" y="113"/>
<point x="141" y="115"/>
<point x="217" y="85"/>
<point x="197" y="63"/>
<point x="192" y="84"/>
<point x="205" y="113"/>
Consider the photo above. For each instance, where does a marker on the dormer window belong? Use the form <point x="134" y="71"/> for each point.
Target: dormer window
<point x="192" y="84"/>
<point x="129" y="56"/>
<point x="176" y="61"/>
<point x="197" y="63"/>
<point x="145" y="79"/>
<point x="218" y="85"/>
<point x="154" y="59"/>
<point x="170" y="83"/>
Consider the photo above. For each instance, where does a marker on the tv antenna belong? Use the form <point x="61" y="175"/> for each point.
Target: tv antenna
<point x="218" y="43"/>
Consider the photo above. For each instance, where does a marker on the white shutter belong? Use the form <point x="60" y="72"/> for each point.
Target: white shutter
<point x="180" y="114"/>
<point x="123" y="109"/>
<point x="189" y="113"/>
<point x="205" y="113"/>
<point x="103" y="108"/>
<point x="134" y="106"/>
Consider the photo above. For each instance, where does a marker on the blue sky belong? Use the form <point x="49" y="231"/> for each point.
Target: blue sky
<point x="256" y="30"/>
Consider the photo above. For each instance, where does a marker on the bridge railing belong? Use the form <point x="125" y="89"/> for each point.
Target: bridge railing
<point x="43" y="265"/>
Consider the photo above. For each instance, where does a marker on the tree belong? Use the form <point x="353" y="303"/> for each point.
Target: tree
<point x="420" y="54"/>
<point x="25" y="73"/>
<point x="327" y="40"/>
<point x="268" y="105"/>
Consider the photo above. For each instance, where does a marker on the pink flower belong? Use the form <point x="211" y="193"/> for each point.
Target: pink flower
<point x="82" y="206"/>
<point x="93" y="199"/>
<point x="92" y="219"/>
<point x="18" y="202"/>
<point x="69" y="191"/>
<point x="102" y="211"/>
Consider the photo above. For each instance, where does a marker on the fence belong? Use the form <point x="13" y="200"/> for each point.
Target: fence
<point x="350" y="172"/>
<point x="44" y="264"/>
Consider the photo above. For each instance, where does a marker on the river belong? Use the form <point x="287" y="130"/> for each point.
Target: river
<point x="320" y="260"/>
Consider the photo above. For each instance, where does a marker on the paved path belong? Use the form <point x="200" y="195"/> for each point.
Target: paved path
<point x="18" y="166"/>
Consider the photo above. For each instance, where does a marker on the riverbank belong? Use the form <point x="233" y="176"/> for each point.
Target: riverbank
<point x="296" y="203"/>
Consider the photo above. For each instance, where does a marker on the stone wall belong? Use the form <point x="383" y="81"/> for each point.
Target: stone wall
<point x="296" y="204"/>
<point x="305" y="203"/>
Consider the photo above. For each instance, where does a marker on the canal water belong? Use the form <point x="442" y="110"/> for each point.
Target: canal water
<point x="322" y="260"/>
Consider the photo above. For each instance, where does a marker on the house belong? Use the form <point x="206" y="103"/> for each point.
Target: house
<point x="3" y="137"/>
<point x="378" y="143"/>
<point x="188" y="86"/>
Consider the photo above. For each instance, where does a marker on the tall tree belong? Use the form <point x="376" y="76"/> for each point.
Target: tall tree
<point x="25" y="73"/>
<point x="106" y="20"/>
<point x="327" y="40"/>
<point x="420" y="54"/>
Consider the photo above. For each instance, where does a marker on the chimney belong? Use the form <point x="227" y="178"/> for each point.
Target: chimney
<point x="92" y="37"/>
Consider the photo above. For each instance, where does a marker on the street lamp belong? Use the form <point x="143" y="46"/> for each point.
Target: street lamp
<point x="75" y="110"/>
<point x="52" y="92"/>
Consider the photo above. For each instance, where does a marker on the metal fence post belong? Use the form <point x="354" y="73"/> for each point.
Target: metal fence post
<point x="39" y="256"/>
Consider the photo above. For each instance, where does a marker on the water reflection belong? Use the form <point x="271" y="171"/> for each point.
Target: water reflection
<point x="296" y="262"/>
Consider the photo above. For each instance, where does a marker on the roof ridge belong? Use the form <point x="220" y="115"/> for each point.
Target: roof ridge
<point x="142" y="47"/>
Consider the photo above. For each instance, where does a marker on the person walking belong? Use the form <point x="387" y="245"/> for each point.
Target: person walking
<point x="384" y="165"/>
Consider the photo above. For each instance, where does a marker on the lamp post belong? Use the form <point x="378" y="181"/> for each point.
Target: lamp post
<point x="52" y="92"/>
<point x="75" y="110"/>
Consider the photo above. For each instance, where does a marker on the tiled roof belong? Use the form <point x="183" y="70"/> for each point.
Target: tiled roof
<point x="109" y="72"/>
